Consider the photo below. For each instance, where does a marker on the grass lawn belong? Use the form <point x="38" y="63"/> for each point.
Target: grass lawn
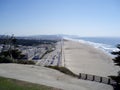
<point x="12" y="84"/>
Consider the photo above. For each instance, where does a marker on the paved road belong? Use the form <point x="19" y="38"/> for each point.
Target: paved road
<point x="53" y="58"/>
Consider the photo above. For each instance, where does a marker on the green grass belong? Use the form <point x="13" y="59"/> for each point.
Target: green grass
<point x="12" y="84"/>
<point x="63" y="70"/>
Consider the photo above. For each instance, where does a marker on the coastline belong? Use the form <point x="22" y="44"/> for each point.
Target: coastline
<point x="84" y="58"/>
<point x="54" y="78"/>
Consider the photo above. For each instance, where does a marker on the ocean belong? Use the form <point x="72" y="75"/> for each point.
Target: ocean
<point x="107" y="44"/>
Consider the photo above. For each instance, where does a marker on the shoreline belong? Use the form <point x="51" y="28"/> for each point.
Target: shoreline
<point x="84" y="58"/>
<point x="100" y="46"/>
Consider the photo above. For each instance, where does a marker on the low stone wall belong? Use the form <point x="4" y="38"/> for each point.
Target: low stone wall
<point x="95" y="78"/>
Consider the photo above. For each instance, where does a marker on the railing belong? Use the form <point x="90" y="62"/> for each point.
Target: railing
<point x="95" y="78"/>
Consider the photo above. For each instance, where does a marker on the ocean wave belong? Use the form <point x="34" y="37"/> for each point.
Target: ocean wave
<point x="104" y="47"/>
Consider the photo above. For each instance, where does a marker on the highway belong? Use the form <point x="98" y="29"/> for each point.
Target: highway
<point x="53" y="58"/>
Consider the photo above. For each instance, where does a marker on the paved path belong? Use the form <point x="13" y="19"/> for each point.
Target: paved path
<point x="49" y="77"/>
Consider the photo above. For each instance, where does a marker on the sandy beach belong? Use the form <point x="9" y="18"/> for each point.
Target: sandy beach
<point x="83" y="58"/>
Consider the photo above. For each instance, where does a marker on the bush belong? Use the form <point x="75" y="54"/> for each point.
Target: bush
<point x="5" y="59"/>
<point x="63" y="70"/>
<point x="25" y="62"/>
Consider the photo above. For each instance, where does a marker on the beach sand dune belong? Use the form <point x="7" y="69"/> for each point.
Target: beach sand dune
<point x="83" y="58"/>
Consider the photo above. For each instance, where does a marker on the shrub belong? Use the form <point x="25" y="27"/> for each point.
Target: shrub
<point x="25" y="62"/>
<point x="117" y="62"/>
<point x="5" y="59"/>
<point x="63" y="70"/>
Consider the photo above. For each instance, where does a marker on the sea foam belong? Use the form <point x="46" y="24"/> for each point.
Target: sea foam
<point x="104" y="47"/>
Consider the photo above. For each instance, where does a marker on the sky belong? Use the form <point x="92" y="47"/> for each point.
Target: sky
<point x="73" y="17"/>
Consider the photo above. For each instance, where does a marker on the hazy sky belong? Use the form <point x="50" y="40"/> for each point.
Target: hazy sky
<point x="74" y="17"/>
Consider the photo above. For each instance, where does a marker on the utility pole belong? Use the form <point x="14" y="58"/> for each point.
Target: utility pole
<point x="61" y="50"/>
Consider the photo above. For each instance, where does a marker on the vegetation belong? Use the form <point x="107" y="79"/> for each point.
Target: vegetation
<point x="16" y="54"/>
<point x="12" y="54"/>
<point x="29" y="42"/>
<point x="24" y="42"/>
<point x="117" y="62"/>
<point x="12" y="84"/>
<point x="63" y="70"/>
<point x="25" y="62"/>
<point x="4" y="59"/>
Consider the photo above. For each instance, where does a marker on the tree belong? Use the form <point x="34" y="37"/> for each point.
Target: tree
<point x="9" y="49"/>
<point x="117" y="62"/>
<point x="117" y="58"/>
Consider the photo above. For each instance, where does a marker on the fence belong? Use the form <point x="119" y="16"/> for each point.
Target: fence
<point x="95" y="78"/>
